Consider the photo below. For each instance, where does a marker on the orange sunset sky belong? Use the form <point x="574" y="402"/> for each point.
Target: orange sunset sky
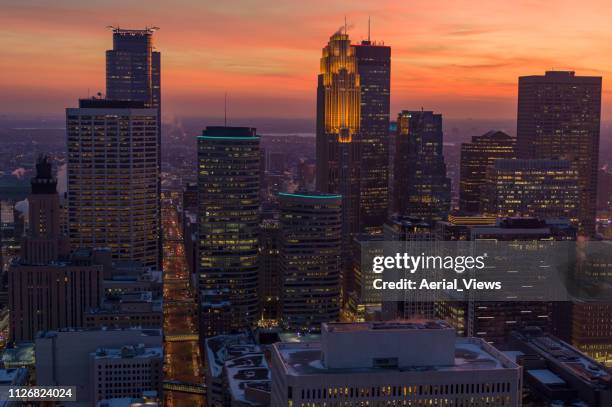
<point x="461" y="58"/>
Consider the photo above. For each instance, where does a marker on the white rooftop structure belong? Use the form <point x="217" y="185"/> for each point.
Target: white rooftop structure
<point x="393" y="362"/>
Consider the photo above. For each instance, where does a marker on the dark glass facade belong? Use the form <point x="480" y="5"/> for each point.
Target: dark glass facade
<point x="374" y="68"/>
<point x="133" y="68"/>
<point x="559" y="119"/>
<point x="310" y="250"/>
<point x="228" y="218"/>
<point x="421" y="188"/>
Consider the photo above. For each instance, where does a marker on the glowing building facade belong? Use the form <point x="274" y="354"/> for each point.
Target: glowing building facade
<point x="352" y="134"/>
<point x="338" y="120"/>
<point x="228" y="218"/>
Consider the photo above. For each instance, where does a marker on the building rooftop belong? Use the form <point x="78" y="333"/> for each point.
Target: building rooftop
<point x="127" y="402"/>
<point x="128" y="352"/>
<point x="309" y="195"/>
<point x="565" y="356"/>
<point x="546" y="377"/>
<point x="22" y="354"/>
<point x="229" y="133"/>
<point x="248" y="372"/>
<point x="385" y="326"/>
<point x="221" y="348"/>
<point x="143" y="332"/>
<point x="96" y="103"/>
<point x="470" y="354"/>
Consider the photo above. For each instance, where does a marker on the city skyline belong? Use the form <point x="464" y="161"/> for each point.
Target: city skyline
<point x="458" y="61"/>
<point x="389" y="260"/>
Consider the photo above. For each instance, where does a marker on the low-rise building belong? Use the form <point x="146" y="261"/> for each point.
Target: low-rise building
<point x="555" y="370"/>
<point x="394" y="363"/>
<point x="63" y="356"/>
<point x="127" y="371"/>
<point x="137" y="309"/>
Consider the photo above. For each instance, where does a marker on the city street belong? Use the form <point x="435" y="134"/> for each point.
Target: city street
<point x="182" y="356"/>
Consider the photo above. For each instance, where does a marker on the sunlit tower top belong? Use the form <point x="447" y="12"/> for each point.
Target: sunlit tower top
<point x="341" y="88"/>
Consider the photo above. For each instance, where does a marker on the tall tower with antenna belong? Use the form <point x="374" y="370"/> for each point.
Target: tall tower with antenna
<point x="374" y="68"/>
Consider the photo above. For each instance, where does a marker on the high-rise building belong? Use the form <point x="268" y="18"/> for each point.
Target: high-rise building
<point x="412" y="363"/>
<point x="604" y="190"/>
<point x="353" y="130"/>
<point x="421" y="188"/>
<point x="48" y="290"/>
<point x="310" y="251"/>
<point x="559" y="119"/>
<point x="414" y="235"/>
<point x="306" y="174"/>
<point x="493" y="320"/>
<point x="270" y="273"/>
<point x="338" y="122"/>
<point x="545" y="189"/>
<point x="133" y="73"/>
<point x="53" y="296"/>
<point x="228" y="216"/>
<point x="591" y="330"/>
<point x="476" y="157"/>
<point x="113" y="178"/>
<point x="338" y="109"/>
<point x="44" y="241"/>
<point x="374" y="69"/>
<point x="133" y="67"/>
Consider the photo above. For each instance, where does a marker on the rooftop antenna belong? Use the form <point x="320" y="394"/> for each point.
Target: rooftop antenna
<point x="345" y="26"/>
<point x="225" y="110"/>
<point x="368" y="28"/>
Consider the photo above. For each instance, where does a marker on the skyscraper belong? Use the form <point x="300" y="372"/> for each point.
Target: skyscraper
<point x="269" y="269"/>
<point x="48" y="290"/>
<point x="545" y="189"/>
<point x="228" y="217"/>
<point x="559" y="118"/>
<point x="310" y="250"/>
<point x="44" y="241"/>
<point x="374" y="68"/>
<point x="338" y="122"/>
<point x="113" y="178"/>
<point x="133" y="73"/>
<point x="133" y="68"/>
<point x="422" y="188"/>
<point x="476" y="157"/>
<point x="353" y="129"/>
<point x="493" y="320"/>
